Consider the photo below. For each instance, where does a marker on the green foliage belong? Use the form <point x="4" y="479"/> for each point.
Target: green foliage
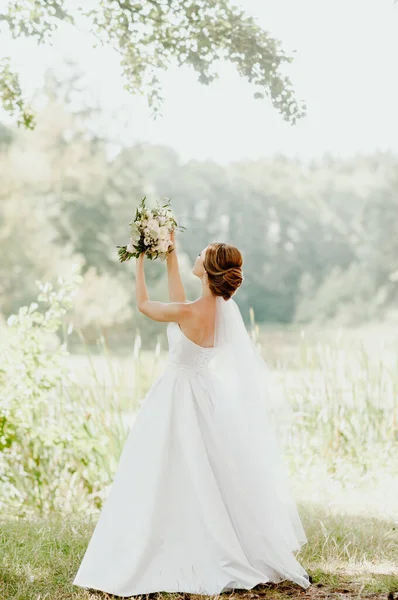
<point x="36" y="18"/>
<point x="153" y="34"/>
<point x="46" y="441"/>
<point x="11" y="96"/>
<point x="31" y="434"/>
<point x="61" y="434"/>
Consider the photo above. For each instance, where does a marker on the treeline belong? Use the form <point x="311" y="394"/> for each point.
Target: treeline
<point x="319" y="241"/>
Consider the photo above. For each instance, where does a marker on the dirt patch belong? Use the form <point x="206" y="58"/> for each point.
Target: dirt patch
<point x="314" y="592"/>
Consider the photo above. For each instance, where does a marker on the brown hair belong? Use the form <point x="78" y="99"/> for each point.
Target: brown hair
<point x="223" y="264"/>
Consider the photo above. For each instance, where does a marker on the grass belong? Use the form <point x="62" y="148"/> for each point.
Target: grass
<point x="358" y="554"/>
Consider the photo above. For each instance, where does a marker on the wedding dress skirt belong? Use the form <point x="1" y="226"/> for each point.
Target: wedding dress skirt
<point x="191" y="508"/>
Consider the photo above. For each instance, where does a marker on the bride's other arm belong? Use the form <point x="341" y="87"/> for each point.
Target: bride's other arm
<point x="158" y="311"/>
<point x="176" y="289"/>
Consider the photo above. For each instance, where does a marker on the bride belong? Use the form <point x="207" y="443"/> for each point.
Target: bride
<point x="200" y="502"/>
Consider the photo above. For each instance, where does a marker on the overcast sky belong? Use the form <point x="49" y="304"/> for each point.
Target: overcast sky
<point x="345" y="69"/>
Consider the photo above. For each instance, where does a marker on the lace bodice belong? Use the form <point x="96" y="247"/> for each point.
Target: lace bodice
<point x="185" y="353"/>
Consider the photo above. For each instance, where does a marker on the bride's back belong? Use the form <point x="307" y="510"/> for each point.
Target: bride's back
<point x="199" y="325"/>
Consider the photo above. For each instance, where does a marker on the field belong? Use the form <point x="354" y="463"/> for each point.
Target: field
<point x="342" y="459"/>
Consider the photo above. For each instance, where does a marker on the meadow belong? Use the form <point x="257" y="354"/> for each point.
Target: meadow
<point x="65" y="418"/>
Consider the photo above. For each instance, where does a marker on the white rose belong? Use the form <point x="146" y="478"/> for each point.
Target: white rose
<point x="163" y="246"/>
<point x="153" y="224"/>
<point x="163" y="233"/>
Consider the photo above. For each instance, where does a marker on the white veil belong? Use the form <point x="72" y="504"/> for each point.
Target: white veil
<point x="251" y="384"/>
<point x="255" y="417"/>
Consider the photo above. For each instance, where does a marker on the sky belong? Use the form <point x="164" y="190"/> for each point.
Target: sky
<point x="346" y="54"/>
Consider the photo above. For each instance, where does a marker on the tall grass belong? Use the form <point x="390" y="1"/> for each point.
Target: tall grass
<point x="346" y="402"/>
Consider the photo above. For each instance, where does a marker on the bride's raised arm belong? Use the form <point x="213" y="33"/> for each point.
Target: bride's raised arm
<point x="176" y="289"/>
<point x="158" y="311"/>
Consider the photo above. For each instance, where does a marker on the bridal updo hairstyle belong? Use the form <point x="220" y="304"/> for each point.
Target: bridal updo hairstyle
<point x="223" y="264"/>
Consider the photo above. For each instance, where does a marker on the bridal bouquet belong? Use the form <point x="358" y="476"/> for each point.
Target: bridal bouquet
<point x="150" y="232"/>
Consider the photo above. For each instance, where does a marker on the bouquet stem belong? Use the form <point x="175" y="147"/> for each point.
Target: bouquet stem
<point x="123" y="254"/>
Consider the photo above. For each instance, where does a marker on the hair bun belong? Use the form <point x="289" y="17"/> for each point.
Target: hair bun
<point x="233" y="278"/>
<point x="223" y="264"/>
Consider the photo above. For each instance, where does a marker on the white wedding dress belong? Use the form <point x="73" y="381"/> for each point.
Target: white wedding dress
<point x="195" y="506"/>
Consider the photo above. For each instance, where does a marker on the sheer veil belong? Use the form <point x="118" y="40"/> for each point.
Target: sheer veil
<point x="255" y="415"/>
<point x="252" y="386"/>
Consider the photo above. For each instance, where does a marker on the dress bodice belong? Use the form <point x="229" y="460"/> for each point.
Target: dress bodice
<point x="185" y="353"/>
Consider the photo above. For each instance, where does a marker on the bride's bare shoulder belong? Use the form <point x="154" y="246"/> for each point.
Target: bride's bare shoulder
<point x="198" y="310"/>
<point x="202" y="303"/>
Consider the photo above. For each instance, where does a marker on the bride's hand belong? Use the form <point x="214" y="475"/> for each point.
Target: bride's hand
<point x="173" y="239"/>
